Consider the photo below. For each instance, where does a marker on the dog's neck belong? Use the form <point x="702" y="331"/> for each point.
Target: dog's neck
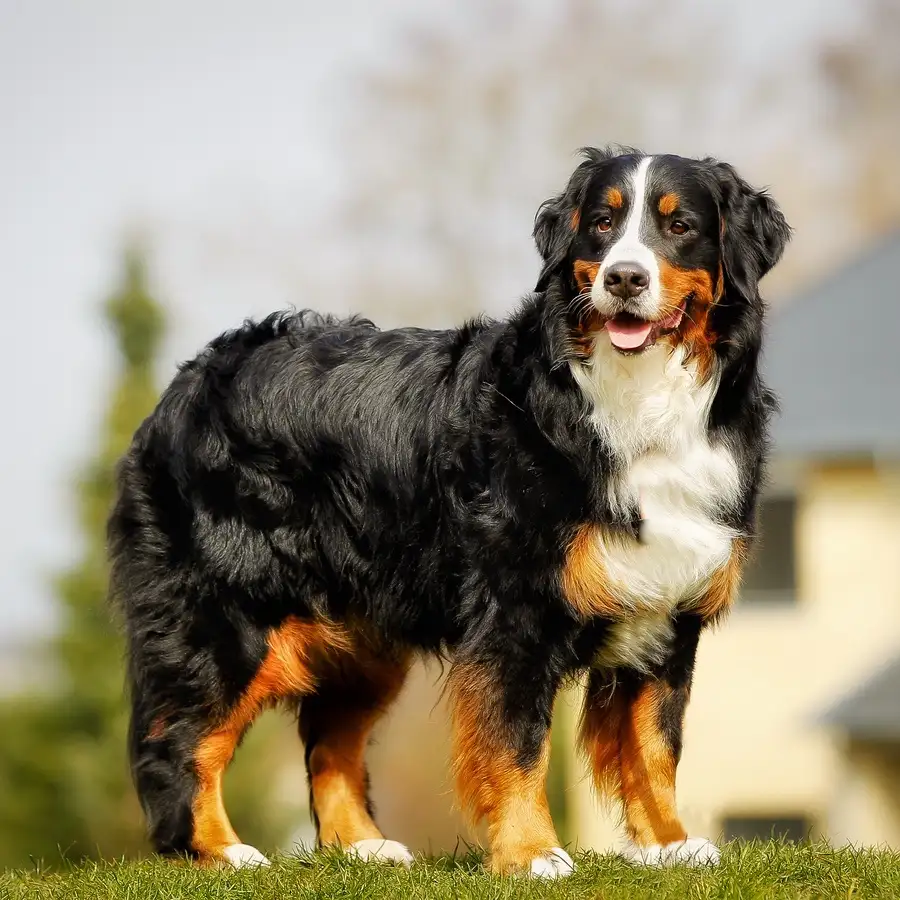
<point x="653" y="401"/>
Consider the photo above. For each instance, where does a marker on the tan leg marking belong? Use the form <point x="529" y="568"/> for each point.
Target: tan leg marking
<point x="337" y="765"/>
<point x="491" y="783"/>
<point x="286" y="671"/>
<point x="631" y="758"/>
<point x="600" y="736"/>
<point x="648" y="771"/>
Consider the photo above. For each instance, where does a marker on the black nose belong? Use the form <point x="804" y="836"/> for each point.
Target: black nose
<point x="626" y="280"/>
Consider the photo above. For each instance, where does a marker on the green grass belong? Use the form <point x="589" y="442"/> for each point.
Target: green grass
<point x="767" y="871"/>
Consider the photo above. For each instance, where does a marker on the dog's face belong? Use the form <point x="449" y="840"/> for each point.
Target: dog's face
<point x="644" y="247"/>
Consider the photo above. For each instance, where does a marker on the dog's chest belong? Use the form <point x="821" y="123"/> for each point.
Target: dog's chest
<point x="653" y="412"/>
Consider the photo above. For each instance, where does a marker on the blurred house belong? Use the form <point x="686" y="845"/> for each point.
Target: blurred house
<point x="794" y="725"/>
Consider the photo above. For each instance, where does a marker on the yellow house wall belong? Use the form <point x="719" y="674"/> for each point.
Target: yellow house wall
<point x="865" y="807"/>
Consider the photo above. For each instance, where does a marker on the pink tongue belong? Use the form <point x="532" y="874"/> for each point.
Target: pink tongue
<point x="628" y="335"/>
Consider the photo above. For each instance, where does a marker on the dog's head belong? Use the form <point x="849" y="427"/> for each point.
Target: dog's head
<point x="645" y="248"/>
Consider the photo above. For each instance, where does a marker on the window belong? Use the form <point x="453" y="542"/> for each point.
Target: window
<point x="770" y="576"/>
<point x="764" y="828"/>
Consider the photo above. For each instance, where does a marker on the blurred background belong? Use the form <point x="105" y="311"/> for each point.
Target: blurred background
<point x="170" y="168"/>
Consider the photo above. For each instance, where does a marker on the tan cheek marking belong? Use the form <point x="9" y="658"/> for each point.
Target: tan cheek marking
<point x="582" y="340"/>
<point x="677" y="283"/>
<point x="668" y="203"/>
<point x="585" y="582"/>
<point x="585" y="272"/>
<point x="694" y="332"/>
<point x="575" y="221"/>
<point x="614" y="198"/>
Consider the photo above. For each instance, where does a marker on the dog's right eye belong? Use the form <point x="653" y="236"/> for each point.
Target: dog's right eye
<point x="604" y="224"/>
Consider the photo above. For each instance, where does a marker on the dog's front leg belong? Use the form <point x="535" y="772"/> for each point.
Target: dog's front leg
<point x="631" y="733"/>
<point x="501" y="711"/>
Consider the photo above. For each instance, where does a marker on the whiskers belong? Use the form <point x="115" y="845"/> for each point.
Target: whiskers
<point x="582" y="303"/>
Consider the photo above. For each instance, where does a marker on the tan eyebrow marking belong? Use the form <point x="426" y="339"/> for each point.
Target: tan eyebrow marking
<point x="614" y="198"/>
<point x="668" y="203"/>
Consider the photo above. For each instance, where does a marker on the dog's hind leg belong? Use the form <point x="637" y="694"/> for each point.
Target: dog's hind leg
<point x="335" y="725"/>
<point x="180" y="753"/>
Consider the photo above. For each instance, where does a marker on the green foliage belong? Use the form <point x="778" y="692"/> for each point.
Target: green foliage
<point x="64" y="781"/>
<point x="758" y="871"/>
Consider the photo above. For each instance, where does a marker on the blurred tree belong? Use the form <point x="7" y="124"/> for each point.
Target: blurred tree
<point x="475" y="120"/>
<point x="863" y="117"/>
<point x="64" y="779"/>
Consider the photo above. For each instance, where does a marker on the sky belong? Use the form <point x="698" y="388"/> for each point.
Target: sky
<point x="210" y="126"/>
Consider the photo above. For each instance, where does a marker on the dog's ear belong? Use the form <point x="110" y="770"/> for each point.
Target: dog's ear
<point x="753" y="231"/>
<point x="556" y="222"/>
<point x="553" y="235"/>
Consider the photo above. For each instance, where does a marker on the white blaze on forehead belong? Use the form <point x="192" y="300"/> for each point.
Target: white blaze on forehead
<point x="629" y="247"/>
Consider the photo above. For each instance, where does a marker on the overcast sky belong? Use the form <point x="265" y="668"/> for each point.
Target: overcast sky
<point x="188" y="119"/>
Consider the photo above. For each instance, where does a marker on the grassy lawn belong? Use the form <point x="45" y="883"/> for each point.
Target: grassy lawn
<point x="767" y="871"/>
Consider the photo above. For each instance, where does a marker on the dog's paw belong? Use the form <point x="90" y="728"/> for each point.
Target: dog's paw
<point x="381" y="850"/>
<point x="692" y="852"/>
<point x="243" y="856"/>
<point x="556" y="863"/>
<point x="651" y="855"/>
<point x="695" y="852"/>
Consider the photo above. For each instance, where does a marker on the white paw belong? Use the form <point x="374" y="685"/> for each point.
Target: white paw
<point x="243" y="855"/>
<point x="381" y="850"/>
<point x="693" y="851"/>
<point x="652" y="855"/>
<point x="554" y="864"/>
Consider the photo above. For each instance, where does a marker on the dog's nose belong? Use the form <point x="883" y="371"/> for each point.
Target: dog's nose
<point x="626" y="280"/>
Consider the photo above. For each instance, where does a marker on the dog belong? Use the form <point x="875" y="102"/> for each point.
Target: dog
<point x="316" y="502"/>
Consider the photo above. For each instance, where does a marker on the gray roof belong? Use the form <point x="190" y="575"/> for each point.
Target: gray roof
<point x="832" y="356"/>
<point x="872" y="711"/>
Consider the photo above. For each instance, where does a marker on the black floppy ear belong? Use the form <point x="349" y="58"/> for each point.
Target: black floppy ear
<point x="557" y="220"/>
<point x="553" y="234"/>
<point x="753" y="228"/>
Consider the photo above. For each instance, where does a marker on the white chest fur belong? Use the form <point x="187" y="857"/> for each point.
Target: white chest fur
<point x="653" y="411"/>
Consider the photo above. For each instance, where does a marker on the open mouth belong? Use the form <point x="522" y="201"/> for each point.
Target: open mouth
<point x="630" y="334"/>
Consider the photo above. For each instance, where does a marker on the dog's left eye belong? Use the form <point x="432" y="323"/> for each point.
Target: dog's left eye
<point x="604" y="224"/>
<point x="679" y="227"/>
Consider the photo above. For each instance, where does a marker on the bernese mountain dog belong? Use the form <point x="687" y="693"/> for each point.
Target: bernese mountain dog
<point x="315" y="502"/>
